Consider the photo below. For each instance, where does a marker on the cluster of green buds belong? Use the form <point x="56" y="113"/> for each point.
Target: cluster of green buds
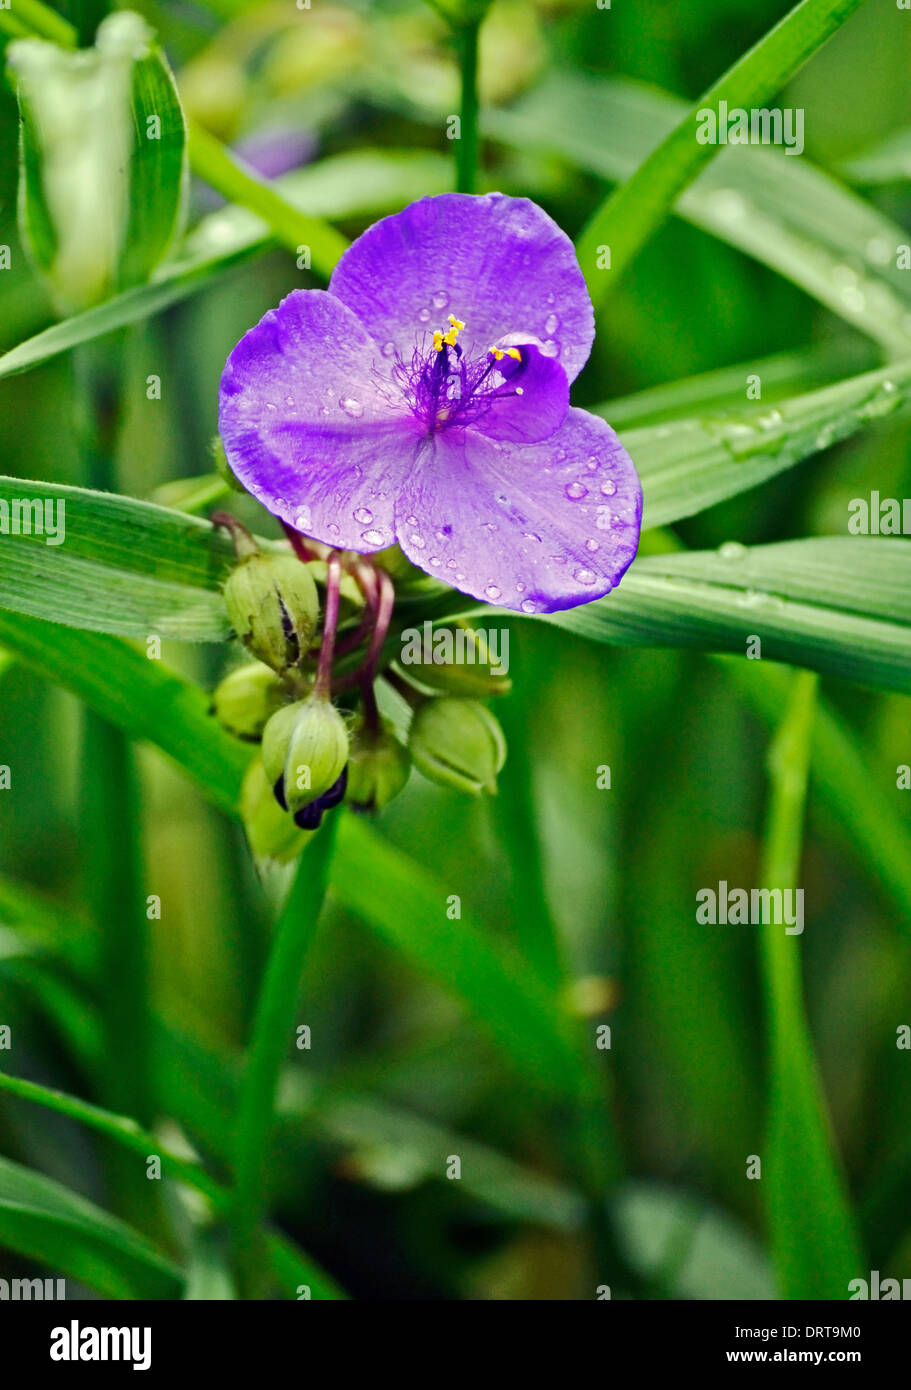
<point x="314" y="625"/>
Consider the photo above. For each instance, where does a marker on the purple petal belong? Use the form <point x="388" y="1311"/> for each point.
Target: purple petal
<point x="499" y="264"/>
<point x="533" y="400"/>
<point x="308" y="427"/>
<point x="533" y="527"/>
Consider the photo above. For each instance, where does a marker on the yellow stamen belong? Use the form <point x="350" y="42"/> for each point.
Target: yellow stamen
<point x="450" y="336"/>
<point x="500" y="353"/>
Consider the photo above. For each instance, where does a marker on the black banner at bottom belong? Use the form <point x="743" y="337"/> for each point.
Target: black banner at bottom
<point x="99" y="1338"/>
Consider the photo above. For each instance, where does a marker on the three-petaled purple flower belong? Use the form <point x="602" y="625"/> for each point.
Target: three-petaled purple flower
<point x="424" y="399"/>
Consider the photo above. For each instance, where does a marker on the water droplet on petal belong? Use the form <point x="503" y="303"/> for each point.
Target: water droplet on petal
<point x="351" y="407"/>
<point x="434" y="559"/>
<point x="364" y="515"/>
<point x="528" y="606"/>
<point x="591" y="545"/>
<point x="373" y="537"/>
<point x="576" y="491"/>
<point x="440" y="299"/>
<point x="492" y="592"/>
<point x="550" y="349"/>
<point x="417" y="541"/>
<point x="592" y="464"/>
<point x="411" y="520"/>
<point x="424" y="315"/>
<point x="585" y="576"/>
<point x="551" y="324"/>
<point x="387" y="349"/>
<point x="609" y="489"/>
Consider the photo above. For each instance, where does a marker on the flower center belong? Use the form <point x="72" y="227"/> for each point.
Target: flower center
<point x="445" y="387"/>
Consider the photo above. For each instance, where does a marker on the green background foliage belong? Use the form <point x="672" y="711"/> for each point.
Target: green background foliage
<point x="432" y="1037"/>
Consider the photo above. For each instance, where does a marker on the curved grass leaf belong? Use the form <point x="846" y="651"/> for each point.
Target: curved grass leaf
<point x="840" y="605"/>
<point x="141" y="696"/>
<point x="779" y="210"/>
<point x="44" y="1221"/>
<point x="111" y="564"/>
<point x="690" y="464"/>
<point x="783" y="375"/>
<point x="292" y="1264"/>
<point x="627" y="219"/>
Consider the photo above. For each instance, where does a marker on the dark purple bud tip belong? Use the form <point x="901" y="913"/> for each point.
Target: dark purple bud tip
<point x="310" y="817"/>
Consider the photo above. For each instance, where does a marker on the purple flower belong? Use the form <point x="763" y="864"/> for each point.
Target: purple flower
<point x="424" y="399"/>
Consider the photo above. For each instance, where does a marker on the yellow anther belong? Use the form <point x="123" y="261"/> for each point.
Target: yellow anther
<point x="450" y="336"/>
<point x="500" y="353"/>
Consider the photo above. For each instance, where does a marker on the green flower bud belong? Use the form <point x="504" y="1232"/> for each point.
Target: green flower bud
<point x="247" y="698"/>
<point x="377" y="769"/>
<point x="457" y="661"/>
<point x="305" y="750"/>
<point x="273" y="607"/>
<point x="458" y="743"/>
<point x="103" y="182"/>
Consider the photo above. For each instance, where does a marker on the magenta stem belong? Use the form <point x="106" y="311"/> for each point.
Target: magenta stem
<point x="384" y="605"/>
<point x="322" y="686"/>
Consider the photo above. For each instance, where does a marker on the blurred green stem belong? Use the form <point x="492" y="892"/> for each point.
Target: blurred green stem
<point x="466" y="39"/>
<point x="109" y="821"/>
<point x="32" y="18"/>
<point x="630" y="215"/>
<point x="273" y="1026"/>
<point x="215" y="164"/>
<point x="811" y="1232"/>
<point x="516" y="810"/>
